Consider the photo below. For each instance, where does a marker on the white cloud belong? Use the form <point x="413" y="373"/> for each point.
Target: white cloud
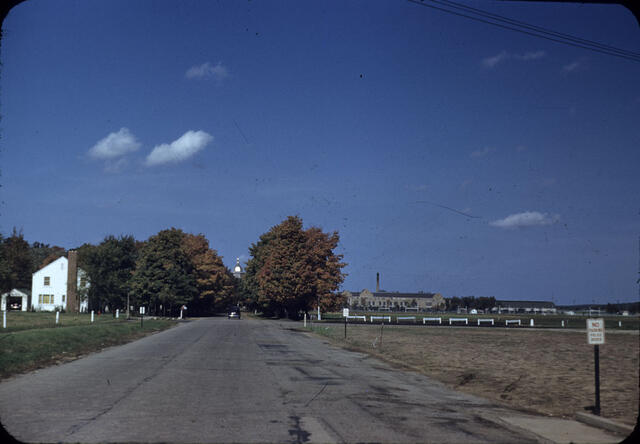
<point x="179" y="150"/>
<point x="531" y="55"/>
<point x="218" y="72"/>
<point x="526" y="219"/>
<point x="115" y="145"/>
<point x="492" y="61"/>
<point x="571" y="67"/>
<point x="483" y="152"/>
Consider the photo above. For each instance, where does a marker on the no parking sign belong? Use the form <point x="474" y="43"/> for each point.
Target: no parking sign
<point x="595" y="331"/>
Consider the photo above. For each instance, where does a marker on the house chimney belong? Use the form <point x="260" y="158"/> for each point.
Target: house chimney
<point x="72" y="282"/>
<point x="377" y="282"/>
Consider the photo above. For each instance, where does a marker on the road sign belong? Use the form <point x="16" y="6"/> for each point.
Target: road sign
<point x="595" y="331"/>
<point x="345" y="312"/>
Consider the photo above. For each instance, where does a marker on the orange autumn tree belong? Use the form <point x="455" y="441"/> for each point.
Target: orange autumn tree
<point x="297" y="269"/>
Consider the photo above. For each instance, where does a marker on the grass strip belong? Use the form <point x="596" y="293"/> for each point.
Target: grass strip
<point x="26" y="350"/>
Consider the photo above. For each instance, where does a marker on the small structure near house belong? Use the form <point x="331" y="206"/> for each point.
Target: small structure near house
<point x="15" y="300"/>
<point x="49" y="289"/>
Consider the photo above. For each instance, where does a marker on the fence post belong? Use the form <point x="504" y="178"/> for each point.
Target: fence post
<point x="4" y="319"/>
<point x="57" y="317"/>
<point x="117" y="313"/>
<point x="91" y="316"/>
<point x="345" y="327"/>
<point x="305" y="320"/>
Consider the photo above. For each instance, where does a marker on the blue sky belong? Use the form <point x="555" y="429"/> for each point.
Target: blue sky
<point x="369" y="118"/>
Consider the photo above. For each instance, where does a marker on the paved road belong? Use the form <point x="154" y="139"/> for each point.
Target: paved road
<point x="219" y="380"/>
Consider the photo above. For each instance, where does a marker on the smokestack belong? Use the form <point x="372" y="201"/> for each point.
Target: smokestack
<point x="72" y="282"/>
<point x="377" y="282"/>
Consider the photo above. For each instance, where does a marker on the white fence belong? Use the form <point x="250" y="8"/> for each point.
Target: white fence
<point x="380" y="318"/>
<point x="405" y="318"/>
<point x="465" y="320"/>
<point x="485" y="320"/>
<point x="511" y="321"/>
<point x="364" y="318"/>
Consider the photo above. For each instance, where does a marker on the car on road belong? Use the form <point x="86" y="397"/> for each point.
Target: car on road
<point x="233" y="312"/>
<point x="15" y="306"/>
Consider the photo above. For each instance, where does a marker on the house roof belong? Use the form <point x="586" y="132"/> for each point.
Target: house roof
<point x="80" y="270"/>
<point x="18" y="290"/>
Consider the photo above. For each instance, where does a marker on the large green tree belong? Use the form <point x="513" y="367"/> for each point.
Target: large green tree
<point x="215" y="285"/>
<point x="164" y="279"/>
<point x="110" y="266"/>
<point x="16" y="264"/>
<point x="249" y="285"/>
<point x="293" y="269"/>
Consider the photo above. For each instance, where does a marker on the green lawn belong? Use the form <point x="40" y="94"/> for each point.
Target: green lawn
<point x="23" y="320"/>
<point x="34" y="341"/>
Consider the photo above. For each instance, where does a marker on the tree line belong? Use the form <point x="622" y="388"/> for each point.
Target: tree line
<point x="168" y="270"/>
<point x="291" y="271"/>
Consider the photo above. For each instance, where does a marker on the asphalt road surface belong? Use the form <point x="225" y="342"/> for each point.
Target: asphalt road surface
<point x="220" y="380"/>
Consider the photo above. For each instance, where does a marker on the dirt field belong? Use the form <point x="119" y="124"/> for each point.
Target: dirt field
<point x="548" y="371"/>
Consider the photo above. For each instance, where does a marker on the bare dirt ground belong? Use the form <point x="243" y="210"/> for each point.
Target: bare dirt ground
<point x="547" y="371"/>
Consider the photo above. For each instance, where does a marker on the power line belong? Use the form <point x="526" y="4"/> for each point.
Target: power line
<point x="536" y="28"/>
<point x="540" y="34"/>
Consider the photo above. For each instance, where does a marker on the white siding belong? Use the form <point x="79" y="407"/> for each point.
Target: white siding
<point x="56" y="271"/>
<point x="15" y="294"/>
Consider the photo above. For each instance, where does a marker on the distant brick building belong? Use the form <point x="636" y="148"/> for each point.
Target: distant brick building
<point x="383" y="300"/>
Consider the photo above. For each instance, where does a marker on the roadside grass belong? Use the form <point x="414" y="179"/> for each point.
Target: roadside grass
<point x="542" y="370"/>
<point x="23" y="320"/>
<point x="28" y="349"/>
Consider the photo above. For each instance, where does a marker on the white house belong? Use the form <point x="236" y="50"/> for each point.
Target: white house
<point x="49" y="287"/>
<point x="15" y="300"/>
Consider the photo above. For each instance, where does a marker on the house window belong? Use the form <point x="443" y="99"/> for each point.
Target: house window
<point x="47" y="280"/>
<point x="63" y="297"/>
<point x="45" y="299"/>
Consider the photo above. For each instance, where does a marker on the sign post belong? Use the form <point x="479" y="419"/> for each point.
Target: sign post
<point x="595" y="337"/>
<point x="141" y="317"/>
<point x="345" y="313"/>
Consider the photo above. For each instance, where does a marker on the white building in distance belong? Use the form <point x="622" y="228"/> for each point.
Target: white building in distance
<point x="237" y="270"/>
<point x="49" y="287"/>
